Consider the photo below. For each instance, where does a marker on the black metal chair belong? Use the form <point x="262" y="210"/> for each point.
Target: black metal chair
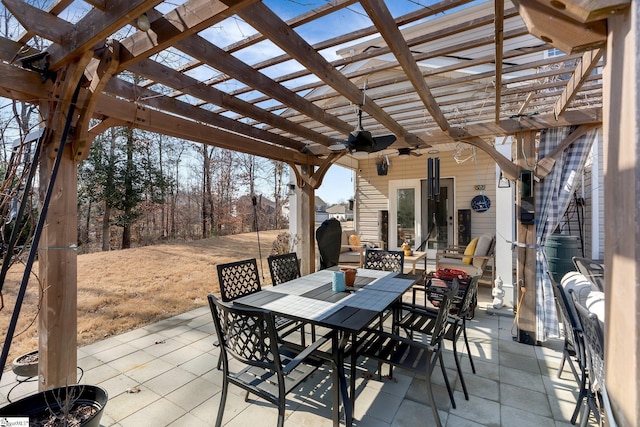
<point x="384" y="260"/>
<point x="594" y="350"/>
<point x="573" y="344"/>
<point x="420" y="319"/>
<point x="414" y="356"/>
<point x="270" y="369"/>
<point x="283" y="268"/>
<point x="241" y="278"/>
<point x="238" y="279"/>
<point x="592" y="270"/>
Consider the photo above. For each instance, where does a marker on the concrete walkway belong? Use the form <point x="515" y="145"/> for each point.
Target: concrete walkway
<point x="164" y="375"/>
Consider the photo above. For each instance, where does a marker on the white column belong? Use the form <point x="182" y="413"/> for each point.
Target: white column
<point x="505" y="228"/>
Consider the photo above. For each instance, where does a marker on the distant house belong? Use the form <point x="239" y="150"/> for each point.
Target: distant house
<point x="321" y="210"/>
<point x="341" y="212"/>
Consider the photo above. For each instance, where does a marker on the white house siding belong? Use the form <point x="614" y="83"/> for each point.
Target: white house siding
<point x="372" y="191"/>
<point x="594" y="197"/>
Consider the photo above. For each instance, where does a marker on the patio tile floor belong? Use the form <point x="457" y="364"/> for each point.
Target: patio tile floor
<point x="165" y="375"/>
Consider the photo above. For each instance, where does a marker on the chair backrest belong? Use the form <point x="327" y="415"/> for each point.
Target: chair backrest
<point x="248" y="335"/>
<point x="439" y="329"/>
<point x="329" y="237"/>
<point x="570" y="323"/>
<point x="465" y="306"/>
<point x="592" y="270"/>
<point x="484" y="248"/>
<point x="238" y="279"/>
<point x="384" y="260"/>
<point x="594" y="343"/>
<point x="283" y="267"/>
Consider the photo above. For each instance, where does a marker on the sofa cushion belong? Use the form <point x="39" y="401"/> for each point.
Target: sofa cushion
<point x="470" y="250"/>
<point x="482" y="249"/>
<point x="354" y="240"/>
<point x="578" y="284"/>
<point x="344" y="242"/>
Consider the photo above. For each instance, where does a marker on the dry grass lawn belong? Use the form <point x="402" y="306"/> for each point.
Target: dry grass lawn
<point x="122" y="290"/>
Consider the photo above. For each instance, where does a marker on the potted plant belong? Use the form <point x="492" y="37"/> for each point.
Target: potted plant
<point x="74" y="405"/>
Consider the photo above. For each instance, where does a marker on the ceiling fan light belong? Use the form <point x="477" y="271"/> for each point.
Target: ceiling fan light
<point x="338" y="146"/>
<point x="143" y="22"/>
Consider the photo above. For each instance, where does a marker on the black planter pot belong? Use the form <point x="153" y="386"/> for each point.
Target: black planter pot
<point x="40" y="403"/>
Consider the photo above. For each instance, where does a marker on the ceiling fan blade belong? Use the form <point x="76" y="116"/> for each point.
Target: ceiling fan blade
<point x="360" y="141"/>
<point x="382" y="142"/>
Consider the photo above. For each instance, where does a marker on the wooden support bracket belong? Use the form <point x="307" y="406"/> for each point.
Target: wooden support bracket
<point x="98" y="72"/>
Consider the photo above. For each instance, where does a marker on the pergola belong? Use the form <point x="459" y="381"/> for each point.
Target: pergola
<point x="468" y="79"/>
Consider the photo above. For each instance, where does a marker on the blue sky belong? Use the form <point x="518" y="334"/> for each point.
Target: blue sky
<point x="337" y="185"/>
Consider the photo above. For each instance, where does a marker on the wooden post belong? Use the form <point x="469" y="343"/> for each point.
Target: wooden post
<point x="306" y="216"/>
<point x="621" y="110"/>
<point x="57" y="259"/>
<point x="526" y="237"/>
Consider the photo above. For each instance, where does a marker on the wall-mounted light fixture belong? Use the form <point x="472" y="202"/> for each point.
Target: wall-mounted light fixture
<point x="143" y="22"/>
<point x="503" y="182"/>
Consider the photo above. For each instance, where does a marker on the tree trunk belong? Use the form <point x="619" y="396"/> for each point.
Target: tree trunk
<point x="128" y="193"/>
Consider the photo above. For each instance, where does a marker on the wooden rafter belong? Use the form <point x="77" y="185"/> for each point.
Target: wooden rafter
<point x="155" y="121"/>
<point x="212" y="55"/>
<point x="262" y="18"/>
<point x="423" y="13"/>
<point x="499" y="42"/>
<point x="584" y="68"/>
<point x="128" y="90"/>
<point x="189" y="18"/>
<point x="94" y="27"/>
<point x="38" y="21"/>
<point x="186" y="84"/>
<point x="383" y="20"/>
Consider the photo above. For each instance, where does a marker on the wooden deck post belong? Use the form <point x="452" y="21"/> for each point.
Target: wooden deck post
<point x="526" y="253"/>
<point x="57" y="259"/>
<point x="621" y="110"/>
<point x="306" y="216"/>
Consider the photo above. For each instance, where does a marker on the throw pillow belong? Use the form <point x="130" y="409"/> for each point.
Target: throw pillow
<point x="482" y="249"/>
<point x="470" y="250"/>
<point x="354" y="240"/>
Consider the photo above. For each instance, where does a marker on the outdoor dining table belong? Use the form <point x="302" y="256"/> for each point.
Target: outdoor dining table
<point x="311" y="299"/>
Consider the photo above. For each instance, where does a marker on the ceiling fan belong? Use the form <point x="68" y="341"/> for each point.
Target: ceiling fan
<point x="409" y="151"/>
<point x="362" y="140"/>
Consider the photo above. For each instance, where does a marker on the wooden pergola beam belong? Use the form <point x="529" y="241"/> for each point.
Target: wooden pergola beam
<point x="383" y="20"/>
<point x="499" y="42"/>
<point x="583" y="69"/>
<point x="215" y="57"/>
<point x="155" y="121"/>
<point x="38" y="21"/>
<point x="95" y="27"/>
<point x="189" y="18"/>
<point x="261" y="17"/>
<point x="128" y="90"/>
<point x="166" y="75"/>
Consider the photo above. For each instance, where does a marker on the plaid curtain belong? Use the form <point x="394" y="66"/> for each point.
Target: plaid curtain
<point x="553" y="195"/>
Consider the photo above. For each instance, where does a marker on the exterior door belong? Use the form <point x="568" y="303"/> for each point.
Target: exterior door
<point x="437" y="222"/>
<point x="404" y="213"/>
